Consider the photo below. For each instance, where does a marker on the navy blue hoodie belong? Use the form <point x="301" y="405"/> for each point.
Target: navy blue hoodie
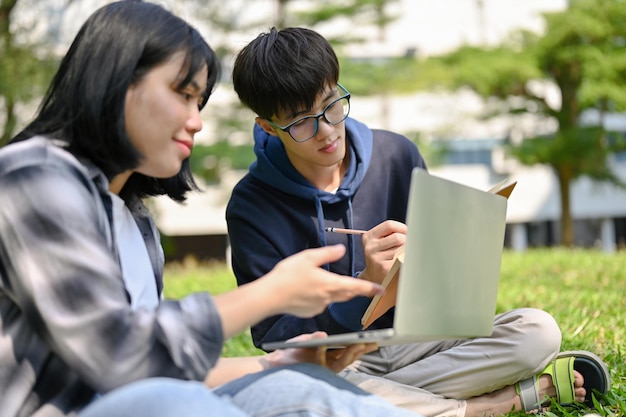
<point x="274" y="212"/>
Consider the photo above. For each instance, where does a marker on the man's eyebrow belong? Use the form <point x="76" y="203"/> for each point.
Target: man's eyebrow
<point x="330" y="95"/>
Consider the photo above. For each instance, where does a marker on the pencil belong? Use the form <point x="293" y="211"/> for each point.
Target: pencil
<point x="344" y="231"/>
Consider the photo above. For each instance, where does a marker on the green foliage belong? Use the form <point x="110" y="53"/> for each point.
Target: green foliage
<point x="581" y="53"/>
<point x="432" y="152"/>
<point x="191" y="277"/>
<point x="582" y="289"/>
<point x="361" y="12"/>
<point x="581" y="150"/>
<point x="25" y="72"/>
<point x="208" y="161"/>
<point x="500" y="72"/>
<point x="402" y="75"/>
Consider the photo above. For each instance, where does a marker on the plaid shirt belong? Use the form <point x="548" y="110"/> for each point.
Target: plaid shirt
<point x="66" y="327"/>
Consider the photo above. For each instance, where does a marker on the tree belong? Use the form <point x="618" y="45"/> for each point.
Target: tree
<point x="581" y="54"/>
<point x="7" y="93"/>
<point x="27" y="66"/>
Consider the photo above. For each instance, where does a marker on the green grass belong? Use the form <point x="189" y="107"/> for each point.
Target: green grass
<point x="584" y="290"/>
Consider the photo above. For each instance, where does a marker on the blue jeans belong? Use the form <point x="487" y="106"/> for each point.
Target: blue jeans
<point x="296" y="390"/>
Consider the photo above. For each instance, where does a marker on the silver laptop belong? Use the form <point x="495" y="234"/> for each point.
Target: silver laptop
<point x="448" y="283"/>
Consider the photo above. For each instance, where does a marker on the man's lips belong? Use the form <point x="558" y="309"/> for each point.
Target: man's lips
<point x="331" y="147"/>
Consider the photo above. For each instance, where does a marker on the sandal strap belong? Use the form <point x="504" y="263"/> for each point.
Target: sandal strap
<point x="529" y="394"/>
<point x="563" y="379"/>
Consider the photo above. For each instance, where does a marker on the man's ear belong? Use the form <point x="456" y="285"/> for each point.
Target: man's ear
<point x="268" y="128"/>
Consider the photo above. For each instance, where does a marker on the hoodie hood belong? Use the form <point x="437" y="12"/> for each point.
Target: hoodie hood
<point x="273" y="167"/>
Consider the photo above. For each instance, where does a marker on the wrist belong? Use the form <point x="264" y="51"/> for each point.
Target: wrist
<point x="268" y="299"/>
<point x="266" y="361"/>
<point x="272" y="359"/>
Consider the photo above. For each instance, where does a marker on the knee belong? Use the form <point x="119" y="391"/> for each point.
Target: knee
<point x="538" y="337"/>
<point x="544" y="328"/>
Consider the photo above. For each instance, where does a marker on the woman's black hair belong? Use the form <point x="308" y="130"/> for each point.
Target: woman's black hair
<point x="284" y="70"/>
<point x="84" y="105"/>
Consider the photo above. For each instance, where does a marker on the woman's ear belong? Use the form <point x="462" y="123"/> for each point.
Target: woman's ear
<point x="268" y="128"/>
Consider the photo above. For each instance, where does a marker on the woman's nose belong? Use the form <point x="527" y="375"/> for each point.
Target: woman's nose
<point x="194" y="122"/>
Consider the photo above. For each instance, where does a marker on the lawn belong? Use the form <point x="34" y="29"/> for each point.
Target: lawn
<point x="584" y="290"/>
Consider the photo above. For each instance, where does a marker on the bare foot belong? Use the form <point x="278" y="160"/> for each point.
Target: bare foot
<point x="505" y="400"/>
<point x="546" y="388"/>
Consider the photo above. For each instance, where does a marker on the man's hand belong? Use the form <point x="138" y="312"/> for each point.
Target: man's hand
<point x="333" y="359"/>
<point x="380" y="244"/>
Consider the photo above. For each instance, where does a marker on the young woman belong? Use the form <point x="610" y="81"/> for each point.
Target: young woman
<point x="83" y="327"/>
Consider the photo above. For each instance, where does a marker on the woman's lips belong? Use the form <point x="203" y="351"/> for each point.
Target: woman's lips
<point x="185" y="145"/>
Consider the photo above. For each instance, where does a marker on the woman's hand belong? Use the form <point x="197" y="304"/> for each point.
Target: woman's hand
<point x="380" y="245"/>
<point x="333" y="359"/>
<point x="299" y="286"/>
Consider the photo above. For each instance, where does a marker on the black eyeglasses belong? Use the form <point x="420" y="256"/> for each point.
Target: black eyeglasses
<point x="306" y="127"/>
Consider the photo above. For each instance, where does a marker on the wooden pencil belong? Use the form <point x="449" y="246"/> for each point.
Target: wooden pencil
<point x="345" y="231"/>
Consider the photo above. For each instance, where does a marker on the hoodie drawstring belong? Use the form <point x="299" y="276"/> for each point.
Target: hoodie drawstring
<point x="351" y="237"/>
<point x="320" y="225"/>
<point x="322" y="232"/>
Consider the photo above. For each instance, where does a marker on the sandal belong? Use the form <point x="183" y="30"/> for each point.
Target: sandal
<point x="561" y="369"/>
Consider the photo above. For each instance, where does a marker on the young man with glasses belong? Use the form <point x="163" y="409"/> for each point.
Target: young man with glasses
<point x="317" y="168"/>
